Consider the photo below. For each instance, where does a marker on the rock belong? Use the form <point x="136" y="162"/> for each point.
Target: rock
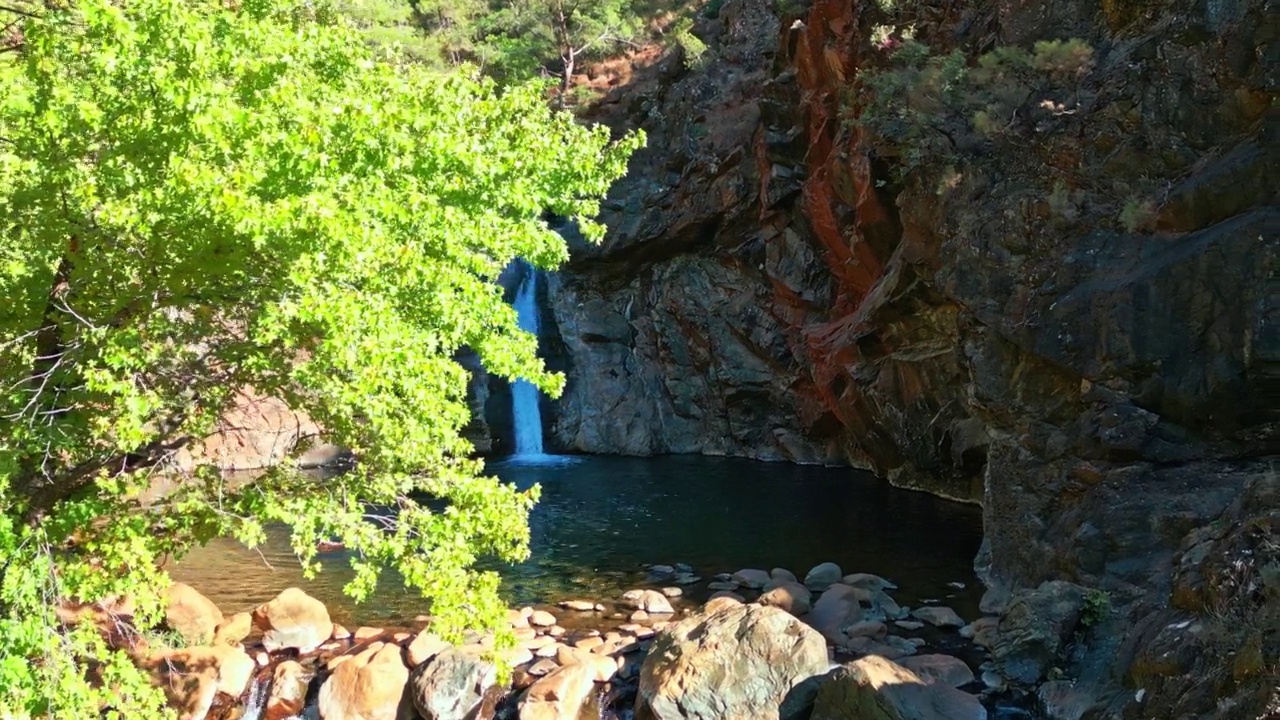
<point x="836" y="609"/>
<point x="190" y="614"/>
<point x="672" y="592"/>
<point x="578" y="605"/>
<point x="548" y="651"/>
<point x="686" y="579"/>
<point x="782" y="575"/>
<point x="452" y="685"/>
<point x="233" y="630"/>
<point x="661" y="573"/>
<point x="367" y="686"/>
<point x="752" y="579"/>
<point x="981" y="631"/>
<point x="867" y="581"/>
<point x="340" y="633"/>
<point x="543" y="666"/>
<point x="994" y="601"/>
<point x="542" y="618"/>
<point x="939" y="668"/>
<point x="589" y="642"/>
<point x="720" y="601"/>
<point x="1035" y="628"/>
<point x="823" y="576"/>
<point x="862" y="645"/>
<point x="639" y="616"/>
<point x="650" y="601"/>
<point x="739" y="661"/>
<point x="559" y="695"/>
<point x="517" y="656"/>
<point x="912" y="625"/>
<point x="789" y="596"/>
<point x="517" y="619"/>
<point x="293" y="620"/>
<point x="538" y="641"/>
<point x="193" y="677"/>
<point x="722" y="585"/>
<point x="1064" y="700"/>
<point x="873" y="688"/>
<point x="288" y="691"/>
<point x="367" y="633"/>
<point x="602" y="667"/>
<point x="867" y="628"/>
<point x="939" y="616"/>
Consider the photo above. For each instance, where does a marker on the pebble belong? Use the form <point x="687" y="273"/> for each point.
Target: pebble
<point x="517" y="619"/>
<point x="556" y="631"/>
<point x="588" y="642"/>
<point x="367" y="633"/>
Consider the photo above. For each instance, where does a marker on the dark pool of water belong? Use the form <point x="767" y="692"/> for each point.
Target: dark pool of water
<point x="601" y="519"/>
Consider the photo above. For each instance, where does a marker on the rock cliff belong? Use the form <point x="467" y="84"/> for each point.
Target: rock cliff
<point x="1071" y="319"/>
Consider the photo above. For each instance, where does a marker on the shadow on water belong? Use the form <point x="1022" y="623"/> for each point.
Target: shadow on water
<point x="602" y="518"/>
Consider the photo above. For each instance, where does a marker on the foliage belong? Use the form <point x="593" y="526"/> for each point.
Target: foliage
<point x="1096" y="609"/>
<point x="201" y="203"/>
<point x="926" y="108"/>
<point x="695" y="51"/>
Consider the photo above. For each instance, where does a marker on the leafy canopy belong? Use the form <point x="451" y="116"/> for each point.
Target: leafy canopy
<point x="199" y="204"/>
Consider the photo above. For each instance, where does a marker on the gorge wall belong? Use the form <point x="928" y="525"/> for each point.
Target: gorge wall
<point x="1076" y="326"/>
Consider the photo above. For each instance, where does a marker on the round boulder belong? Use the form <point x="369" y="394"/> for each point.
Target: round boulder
<point x="740" y="661"/>
<point x="368" y="686"/>
<point x="650" y="601"/>
<point x="452" y="685"/>
<point x="874" y="687"/>
<point x="293" y="619"/>
<point x="558" y="695"/>
<point x="191" y="615"/>
<point x="790" y="596"/>
<point x="823" y="576"/>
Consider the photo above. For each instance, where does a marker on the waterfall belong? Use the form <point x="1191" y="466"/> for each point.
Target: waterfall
<point x="525" y="414"/>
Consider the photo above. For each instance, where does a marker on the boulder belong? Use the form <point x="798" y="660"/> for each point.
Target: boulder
<point x="751" y="579"/>
<point x="867" y="581"/>
<point x="1035" y="628"/>
<point x="366" y="686"/>
<point x="835" y="610"/>
<point x="190" y="614"/>
<point x="981" y="631"/>
<point x="740" y="661"/>
<point x="452" y="685"/>
<point x="782" y="575"/>
<point x="823" y="576"/>
<point x="233" y="630"/>
<point x="720" y="601"/>
<point x="939" y="616"/>
<point x="288" y="691"/>
<point x="558" y="695"/>
<point x="293" y="619"/>
<point x="425" y="646"/>
<point x="193" y="677"/>
<point x="650" y="601"/>
<point x="790" y="596"/>
<point x="873" y="688"/>
<point x="542" y="618"/>
<point x="867" y="628"/>
<point x="579" y="605"/>
<point x="939" y="668"/>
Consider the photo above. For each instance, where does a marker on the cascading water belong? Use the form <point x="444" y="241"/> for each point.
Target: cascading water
<point x="525" y="413"/>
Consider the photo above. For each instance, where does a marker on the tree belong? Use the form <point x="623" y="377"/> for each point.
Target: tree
<point x="519" y="35"/>
<point x="200" y="199"/>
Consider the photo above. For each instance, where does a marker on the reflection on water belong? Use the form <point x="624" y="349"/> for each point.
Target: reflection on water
<point x="602" y="518"/>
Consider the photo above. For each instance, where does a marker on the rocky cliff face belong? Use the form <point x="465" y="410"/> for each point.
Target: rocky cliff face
<point x="1075" y="324"/>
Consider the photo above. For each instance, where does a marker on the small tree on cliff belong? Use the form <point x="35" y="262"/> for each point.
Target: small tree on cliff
<point x="202" y="199"/>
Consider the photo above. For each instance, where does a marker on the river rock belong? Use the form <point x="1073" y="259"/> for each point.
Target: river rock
<point x="867" y="581"/>
<point x="452" y="685"/>
<point x="789" y="596"/>
<point x="722" y="600"/>
<point x="739" y="661"/>
<point x="425" y="645"/>
<point x="751" y="578"/>
<point x="867" y="628"/>
<point x="542" y="618"/>
<point x="295" y="620"/>
<point x="672" y="592"/>
<point x="875" y="688"/>
<point x="543" y="666"/>
<point x="782" y="575"/>
<point x="288" y="691"/>
<point x="835" y="610"/>
<point x="939" y="616"/>
<point x="367" y="686"/>
<point x="1035" y="628"/>
<point x="650" y="601"/>
<point x="862" y="645"/>
<point x="661" y="573"/>
<point x="823" y="576"/>
<point x="981" y="631"/>
<point x="939" y="668"/>
<point x="192" y="677"/>
<point x="579" y="605"/>
<point x="686" y="579"/>
<point x="559" y="695"/>
<point x="517" y="618"/>
<point x="191" y="614"/>
<point x="233" y="630"/>
<point x="722" y="585"/>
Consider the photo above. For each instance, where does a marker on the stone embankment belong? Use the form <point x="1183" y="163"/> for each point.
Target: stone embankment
<point x="764" y="645"/>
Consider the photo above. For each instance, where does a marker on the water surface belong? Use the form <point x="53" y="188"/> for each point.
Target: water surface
<point x="601" y="519"/>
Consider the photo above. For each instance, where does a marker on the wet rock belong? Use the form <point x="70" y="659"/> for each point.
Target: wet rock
<point x="939" y="616"/>
<point x="293" y="619"/>
<point x="862" y="645"/>
<point x="686" y="579"/>
<point x="738" y="661"/>
<point x="752" y="579"/>
<point x="823" y="576"/>
<point x="367" y="633"/>
<point x="722" y="585"/>
<point x="661" y="573"/>
<point x="580" y="605"/>
<point x="789" y="596"/>
<point x="867" y="581"/>
<point x="288" y="691"/>
<point x="911" y="625"/>
<point x="368" y="686"/>
<point x="981" y="631"/>
<point x="191" y="614"/>
<point x="873" y="687"/>
<point x="1031" y="634"/>
<point x="672" y="592"/>
<point x="867" y="628"/>
<point x="994" y="601"/>
<point x="939" y="668"/>
<point x="560" y="695"/>
<point x="722" y="600"/>
<point x="835" y="610"/>
<point x="1064" y="700"/>
<point x="649" y="601"/>
<point x="451" y="686"/>
<point x="233" y="630"/>
<point x="782" y="575"/>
